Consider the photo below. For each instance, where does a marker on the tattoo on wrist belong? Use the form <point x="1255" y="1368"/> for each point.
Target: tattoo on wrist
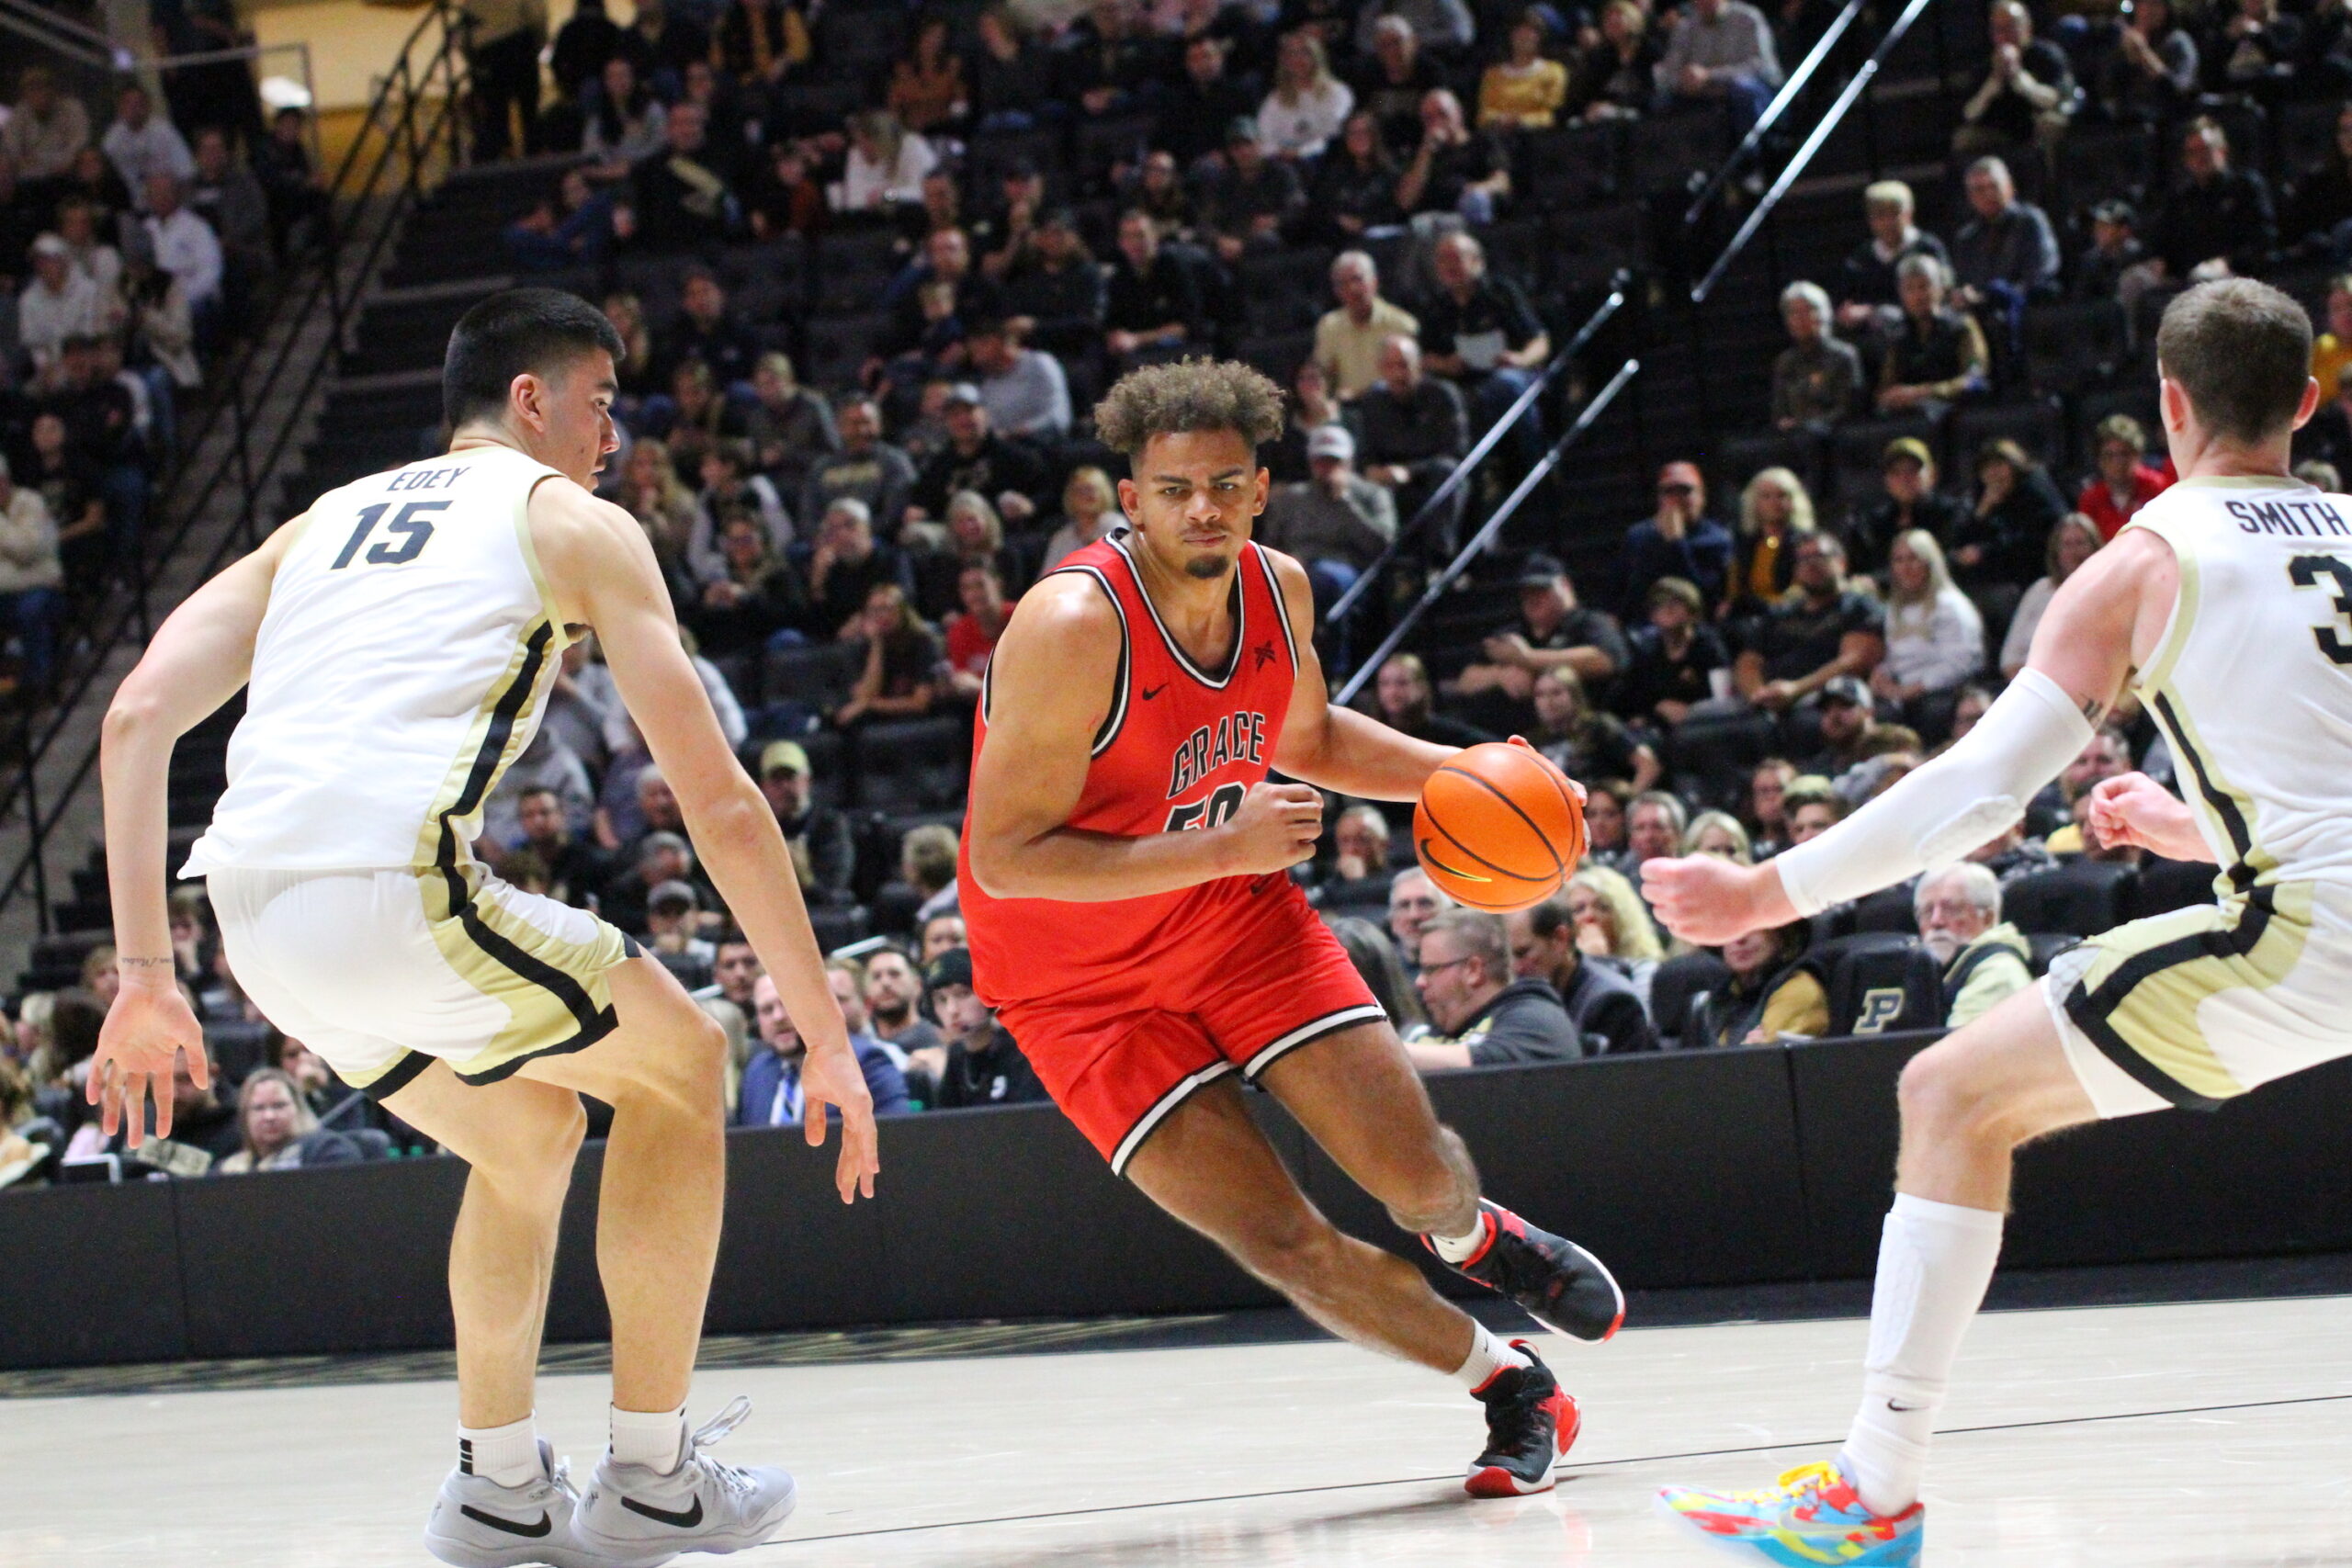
<point x="124" y="963"/>
<point x="2093" y="711"/>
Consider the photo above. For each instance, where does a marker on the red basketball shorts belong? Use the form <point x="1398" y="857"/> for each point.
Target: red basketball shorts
<point x="1119" y="1055"/>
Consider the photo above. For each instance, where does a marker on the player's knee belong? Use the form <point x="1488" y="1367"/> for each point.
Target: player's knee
<point x="538" y="1148"/>
<point x="685" y="1071"/>
<point x="1292" y="1248"/>
<point x="1946" y="1095"/>
<point x="1435" y="1192"/>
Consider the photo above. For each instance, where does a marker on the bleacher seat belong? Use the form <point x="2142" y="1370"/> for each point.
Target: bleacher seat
<point x="2104" y="163"/>
<point x="1880" y="982"/>
<point x="1739" y="459"/>
<point x="2164" y="885"/>
<point x="817" y="675"/>
<point x="236" y="1049"/>
<point x="1670" y="152"/>
<point x="912" y="764"/>
<point x="1286" y="292"/>
<point x="837" y="925"/>
<point x="2076" y="346"/>
<point x="1568" y="167"/>
<point x="1677" y="981"/>
<point x="2082" y="898"/>
<point x="1891" y="911"/>
<point x="839" y="345"/>
<point x="2033" y="424"/>
<point x="2045" y="946"/>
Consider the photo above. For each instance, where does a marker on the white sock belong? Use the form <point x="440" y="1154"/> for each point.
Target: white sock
<point x="654" y="1437"/>
<point x="1487" y="1355"/>
<point x="1934" y="1262"/>
<point x="508" y="1455"/>
<point x="1458" y="1248"/>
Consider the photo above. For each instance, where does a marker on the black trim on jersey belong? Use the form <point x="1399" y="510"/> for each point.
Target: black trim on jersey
<point x="1184" y="659"/>
<point x="594" y="1022"/>
<point x="1282" y="601"/>
<point x="1116" y="719"/>
<point x="2241" y="873"/>
<point x="393" y="1079"/>
<point x="2092" y="1010"/>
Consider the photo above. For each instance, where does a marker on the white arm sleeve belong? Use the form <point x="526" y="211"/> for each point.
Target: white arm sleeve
<point x="1942" y="811"/>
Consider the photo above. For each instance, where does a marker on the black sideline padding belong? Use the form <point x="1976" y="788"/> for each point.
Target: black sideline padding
<point x="1719" y="1167"/>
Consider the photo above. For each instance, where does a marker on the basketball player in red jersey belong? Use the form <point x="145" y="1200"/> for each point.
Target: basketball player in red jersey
<point x="1122" y="884"/>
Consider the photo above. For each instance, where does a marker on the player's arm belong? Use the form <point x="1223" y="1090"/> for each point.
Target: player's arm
<point x="1052" y="683"/>
<point x="2082" y="651"/>
<point x="201" y="657"/>
<point x="601" y="571"/>
<point x="1339" y="749"/>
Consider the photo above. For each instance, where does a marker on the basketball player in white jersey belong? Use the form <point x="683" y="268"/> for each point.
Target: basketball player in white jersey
<point x="2225" y="608"/>
<point x="399" y="639"/>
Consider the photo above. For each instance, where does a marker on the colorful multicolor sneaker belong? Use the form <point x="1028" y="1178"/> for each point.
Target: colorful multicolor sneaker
<point x="1554" y="1280"/>
<point x="1530" y="1423"/>
<point x="1811" y="1516"/>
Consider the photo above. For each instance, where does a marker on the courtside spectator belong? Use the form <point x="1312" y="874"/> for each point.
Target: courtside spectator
<point x="1413" y="901"/>
<point x="893" y="998"/>
<point x="1481" y="1014"/>
<point x="1986" y="961"/>
<point x="1769" y="996"/>
<point x="1603" y="1004"/>
<point x="983" y="1065"/>
<point x="771" y="1095"/>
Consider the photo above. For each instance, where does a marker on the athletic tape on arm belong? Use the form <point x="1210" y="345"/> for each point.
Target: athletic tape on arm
<point x="1942" y="811"/>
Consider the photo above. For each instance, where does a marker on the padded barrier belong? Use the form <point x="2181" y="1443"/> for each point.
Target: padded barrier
<point x="1682" y="1168"/>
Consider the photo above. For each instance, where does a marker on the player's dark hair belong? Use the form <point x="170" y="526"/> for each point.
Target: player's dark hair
<point x="1192" y="395"/>
<point x="2241" y="351"/>
<point x="532" y="330"/>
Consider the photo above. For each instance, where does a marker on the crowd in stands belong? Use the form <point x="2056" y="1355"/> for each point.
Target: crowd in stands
<point x="1829" y="592"/>
<point x="127" y="248"/>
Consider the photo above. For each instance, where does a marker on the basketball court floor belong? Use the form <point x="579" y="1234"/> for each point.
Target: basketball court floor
<point x="2216" y="1434"/>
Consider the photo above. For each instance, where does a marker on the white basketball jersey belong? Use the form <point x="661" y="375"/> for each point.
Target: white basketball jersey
<point x="2253" y="677"/>
<point x="402" y="663"/>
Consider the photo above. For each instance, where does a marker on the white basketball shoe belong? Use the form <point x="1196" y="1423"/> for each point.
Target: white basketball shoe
<point x="635" y="1515"/>
<point x="477" y="1523"/>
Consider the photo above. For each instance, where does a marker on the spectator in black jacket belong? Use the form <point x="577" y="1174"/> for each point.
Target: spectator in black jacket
<point x="1010" y="473"/>
<point x="1195" y="112"/>
<point x="1673" y="660"/>
<point x="844" y="563"/>
<point x="1868" y="297"/>
<point x="818" y="836"/>
<point x="1481" y="1013"/>
<point x="1054" y="282"/>
<point x="2004" y="536"/>
<point x="2006" y="253"/>
<point x="1153" y="306"/>
<point x="1908" y="475"/>
<point x="705" y="330"/>
<point x="1602" y="1004"/>
<point x="680" y="201"/>
<point x="1552" y="629"/>
<point x="983" y="1065"/>
<point x="2319" y="200"/>
<point x="1109" y="60"/>
<point x="1937" y="354"/>
<point x="1414" y="429"/>
<point x="1401" y="699"/>
<point x="576" y="870"/>
<point x="1822" y="632"/>
<point x="1679" y="539"/>
<point x="1479" y="331"/>
<point x="866" y="469"/>
<point x="1249" y="200"/>
<point x="2028" y="95"/>
<point x="2150" y="76"/>
<point x="2115" y="250"/>
<point x="2218" y="220"/>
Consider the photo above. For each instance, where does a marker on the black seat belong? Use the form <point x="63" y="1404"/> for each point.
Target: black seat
<point x="1571" y="166"/>
<point x="2045" y="947"/>
<point x="2082" y="898"/>
<point x="2168" y="884"/>
<point x="1880" y="982"/>
<point x="915" y="764"/>
<point x="1678" y="980"/>
<point x="1888" y="911"/>
<point x="2033" y="424"/>
<point x="837" y="925"/>
<point x="817" y="674"/>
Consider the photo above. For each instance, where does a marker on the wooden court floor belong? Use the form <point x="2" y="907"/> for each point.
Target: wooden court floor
<point x="2202" y="1435"/>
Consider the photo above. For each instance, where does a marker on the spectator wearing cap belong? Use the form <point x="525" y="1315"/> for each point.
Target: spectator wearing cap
<point x="57" y="304"/>
<point x="819" y="837"/>
<point x="2112" y="258"/>
<point x="1674" y="657"/>
<point x="1909" y="500"/>
<point x="1721" y="52"/>
<point x="1985" y="960"/>
<point x="1818" y="380"/>
<point x="1415" y="428"/>
<point x="1350" y="338"/>
<point x="47" y="128"/>
<point x="977" y="458"/>
<point x="983" y="1065"/>
<point x="1554" y="630"/>
<point x="2217" y="221"/>
<point x="1053" y="284"/>
<point x="1868" y="289"/>
<point x="1849" y="720"/>
<point x="1602" y="1002"/>
<point x="1152" y="307"/>
<point x="2124" y="480"/>
<point x="140" y="143"/>
<point x="1679" y="539"/>
<point x="1247" y="201"/>
<point x="1481" y="1013"/>
<point x="659" y="856"/>
<point x="1937" y="354"/>
<point x="2028" y="97"/>
<point x="184" y="245"/>
<point x="31" y="577"/>
<point x="1336" y="521"/>
<point x="673" y="934"/>
<point x="1823" y="630"/>
<point x="1023" y="391"/>
<point x="864" y="468"/>
<point x="771" y="1092"/>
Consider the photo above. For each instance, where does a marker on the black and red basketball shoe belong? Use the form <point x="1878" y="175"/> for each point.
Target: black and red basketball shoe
<point x="1530" y="1423"/>
<point x="1554" y="1280"/>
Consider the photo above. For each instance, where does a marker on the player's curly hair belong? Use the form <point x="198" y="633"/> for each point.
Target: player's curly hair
<point x="1194" y="394"/>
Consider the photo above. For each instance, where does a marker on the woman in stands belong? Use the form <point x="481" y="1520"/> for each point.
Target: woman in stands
<point x="1353" y="190"/>
<point x="634" y="369"/>
<point x="1765" y="815"/>
<point x="886" y="165"/>
<point x="1308" y="104"/>
<point x="1768" y="993"/>
<point x="1582" y="742"/>
<point x="1935" y="639"/>
<point x="1774" y="513"/>
<point x="1612" y="923"/>
<point x="1524" y="90"/>
<point x="2072" y="542"/>
<point x="2001" y="539"/>
<point x="1375" y="956"/>
<point x="273" y="1121"/>
<point x="1403" y="699"/>
<point x="649" y="490"/>
<point x="1090" y="510"/>
<point x="1718" y="833"/>
<point x="973" y="630"/>
<point x="758" y="596"/>
<point x="927" y="87"/>
<point x="627" y="123"/>
<point x="902" y="659"/>
<point x="1604" y="819"/>
<point x="1617" y="78"/>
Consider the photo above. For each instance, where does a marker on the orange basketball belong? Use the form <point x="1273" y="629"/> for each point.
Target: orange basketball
<point x="1499" y="829"/>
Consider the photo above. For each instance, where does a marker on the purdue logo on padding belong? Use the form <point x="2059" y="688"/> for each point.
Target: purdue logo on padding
<point x="1881" y="1005"/>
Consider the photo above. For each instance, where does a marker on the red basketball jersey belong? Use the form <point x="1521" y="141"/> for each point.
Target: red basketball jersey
<point x="1181" y="747"/>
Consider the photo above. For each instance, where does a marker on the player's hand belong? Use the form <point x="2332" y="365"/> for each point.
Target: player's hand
<point x="149" y="1024"/>
<point x="2134" y="808"/>
<point x="1276" y="829"/>
<point x="832" y="1078"/>
<point x="1707" y="900"/>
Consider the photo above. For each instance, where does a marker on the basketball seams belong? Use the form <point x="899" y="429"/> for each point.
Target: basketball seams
<point x="1424" y="814"/>
<point x="1559" y="783"/>
<point x="1558" y="867"/>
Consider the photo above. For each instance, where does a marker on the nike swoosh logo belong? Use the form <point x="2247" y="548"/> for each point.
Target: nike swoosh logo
<point x="684" y="1521"/>
<point x="1151" y="692"/>
<point x="528" y="1532"/>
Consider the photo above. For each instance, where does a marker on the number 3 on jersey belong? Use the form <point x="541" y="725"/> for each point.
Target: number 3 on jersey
<point x="408" y="523"/>
<point x="2305" y="572"/>
<point x="1213" y="812"/>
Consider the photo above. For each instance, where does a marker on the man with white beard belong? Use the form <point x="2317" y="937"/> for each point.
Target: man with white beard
<point x="1985" y="958"/>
